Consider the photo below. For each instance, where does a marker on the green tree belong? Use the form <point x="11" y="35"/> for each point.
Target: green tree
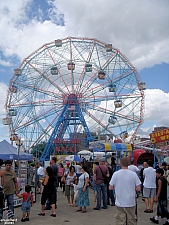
<point x="38" y="149"/>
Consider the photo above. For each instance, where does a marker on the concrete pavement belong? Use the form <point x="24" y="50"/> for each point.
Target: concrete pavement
<point x="68" y="215"/>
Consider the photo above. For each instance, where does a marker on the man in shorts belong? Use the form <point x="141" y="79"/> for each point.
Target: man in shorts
<point x="149" y="190"/>
<point x="125" y="183"/>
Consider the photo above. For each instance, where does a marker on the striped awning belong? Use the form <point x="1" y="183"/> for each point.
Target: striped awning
<point x="101" y="147"/>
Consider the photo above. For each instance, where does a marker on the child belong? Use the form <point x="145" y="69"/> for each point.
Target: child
<point x="161" y="198"/>
<point x="75" y="189"/>
<point x="27" y="203"/>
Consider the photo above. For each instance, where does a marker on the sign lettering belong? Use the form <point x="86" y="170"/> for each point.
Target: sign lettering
<point x="159" y="136"/>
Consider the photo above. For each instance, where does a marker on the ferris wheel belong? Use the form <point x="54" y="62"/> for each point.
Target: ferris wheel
<point x="67" y="89"/>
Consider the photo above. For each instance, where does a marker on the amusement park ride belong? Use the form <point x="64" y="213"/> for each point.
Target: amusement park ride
<point x="66" y="89"/>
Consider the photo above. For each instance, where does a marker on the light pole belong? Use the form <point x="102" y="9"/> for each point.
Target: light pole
<point x="19" y="144"/>
<point x="98" y="130"/>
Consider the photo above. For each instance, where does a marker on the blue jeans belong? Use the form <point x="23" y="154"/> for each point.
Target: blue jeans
<point x="10" y="202"/>
<point x="101" y="188"/>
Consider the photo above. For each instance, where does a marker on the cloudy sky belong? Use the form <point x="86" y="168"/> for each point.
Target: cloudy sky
<point x="139" y="29"/>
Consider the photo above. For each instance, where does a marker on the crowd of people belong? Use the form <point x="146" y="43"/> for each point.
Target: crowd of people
<point x="116" y="188"/>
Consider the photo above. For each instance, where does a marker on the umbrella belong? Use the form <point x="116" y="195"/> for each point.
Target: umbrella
<point x="84" y="152"/>
<point x="73" y="158"/>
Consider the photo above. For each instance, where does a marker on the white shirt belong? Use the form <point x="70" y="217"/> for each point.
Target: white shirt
<point x="69" y="178"/>
<point x="133" y="168"/>
<point x="75" y="187"/>
<point x="125" y="182"/>
<point x="40" y="171"/>
<point x="149" y="177"/>
<point x="78" y="169"/>
<point x="82" y="179"/>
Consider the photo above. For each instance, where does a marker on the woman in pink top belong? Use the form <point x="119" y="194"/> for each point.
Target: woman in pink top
<point x="61" y="171"/>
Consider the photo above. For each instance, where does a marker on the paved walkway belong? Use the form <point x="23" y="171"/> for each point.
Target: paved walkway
<point x="67" y="215"/>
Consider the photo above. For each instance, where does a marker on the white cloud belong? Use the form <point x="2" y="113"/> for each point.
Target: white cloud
<point x="3" y="129"/>
<point x="157" y="106"/>
<point x="4" y="63"/>
<point x="138" y="28"/>
<point x="156" y="111"/>
<point x="3" y="92"/>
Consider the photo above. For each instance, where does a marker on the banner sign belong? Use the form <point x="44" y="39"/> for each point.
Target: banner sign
<point x="159" y="136"/>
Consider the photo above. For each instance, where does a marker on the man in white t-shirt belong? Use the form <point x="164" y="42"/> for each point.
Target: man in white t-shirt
<point x="149" y="189"/>
<point x="125" y="183"/>
<point x="133" y="168"/>
<point x="40" y="173"/>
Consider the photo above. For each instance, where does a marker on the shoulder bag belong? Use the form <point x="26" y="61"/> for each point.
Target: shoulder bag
<point x="106" y="179"/>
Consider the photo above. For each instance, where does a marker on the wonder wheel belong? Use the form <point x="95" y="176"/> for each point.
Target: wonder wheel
<point x="67" y="90"/>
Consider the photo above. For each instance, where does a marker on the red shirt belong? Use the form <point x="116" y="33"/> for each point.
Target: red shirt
<point x="25" y="196"/>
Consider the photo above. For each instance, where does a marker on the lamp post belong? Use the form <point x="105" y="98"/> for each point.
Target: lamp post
<point x="19" y="144"/>
<point x="154" y="150"/>
<point x="98" y="130"/>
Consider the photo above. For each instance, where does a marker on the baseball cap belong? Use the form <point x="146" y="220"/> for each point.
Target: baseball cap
<point x="68" y="163"/>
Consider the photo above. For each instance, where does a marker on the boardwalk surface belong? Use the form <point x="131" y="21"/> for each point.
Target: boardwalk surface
<point x="67" y="215"/>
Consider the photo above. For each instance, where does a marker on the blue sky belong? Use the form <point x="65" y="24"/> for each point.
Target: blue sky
<point x="139" y="29"/>
<point x="156" y="77"/>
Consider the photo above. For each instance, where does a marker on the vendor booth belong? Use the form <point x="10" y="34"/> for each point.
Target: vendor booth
<point x="120" y="149"/>
<point x="102" y="147"/>
<point x="9" y="152"/>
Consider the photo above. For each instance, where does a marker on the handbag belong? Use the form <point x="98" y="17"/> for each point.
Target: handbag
<point x="106" y="179"/>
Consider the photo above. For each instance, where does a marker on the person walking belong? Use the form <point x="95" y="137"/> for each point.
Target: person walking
<point x="126" y="184"/>
<point x="133" y="168"/>
<point x="161" y="198"/>
<point x="61" y="171"/>
<point x="110" y="194"/>
<point x="101" y="172"/>
<point x="142" y="177"/>
<point x="66" y="171"/>
<point x="83" y="190"/>
<point x="26" y="203"/>
<point x="164" y="167"/>
<point x="149" y="190"/>
<point x="55" y="174"/>
<point x="48" y="192"/>
<point x="10" y="182"/>
<point x="113" y="162"/>
<point x="69" y="177"/>
<point x="40" y="175"/>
